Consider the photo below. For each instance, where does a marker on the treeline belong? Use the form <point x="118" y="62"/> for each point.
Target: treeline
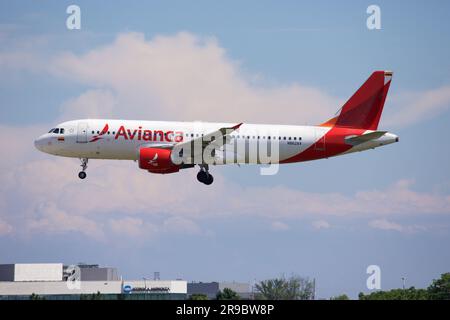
<point x="292" y="288"/>
<point x="299" y="288"/>
<point x="439" y="289"/>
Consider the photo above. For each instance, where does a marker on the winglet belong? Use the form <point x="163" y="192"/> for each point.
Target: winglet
<point x="237" y="126"/>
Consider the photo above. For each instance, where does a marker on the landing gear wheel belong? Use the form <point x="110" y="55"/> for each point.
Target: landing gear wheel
<point x="209" y="180"/>
<point x="82" y="175"/>
<point x="202" y="176"/>
<point x="205" y="177"/>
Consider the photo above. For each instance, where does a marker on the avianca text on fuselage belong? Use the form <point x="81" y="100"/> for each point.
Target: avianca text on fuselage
<point x="141" y="134"/>
<point x="157" y="144"/>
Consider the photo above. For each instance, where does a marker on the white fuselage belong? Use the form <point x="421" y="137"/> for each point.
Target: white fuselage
<point x="122" y="139"/>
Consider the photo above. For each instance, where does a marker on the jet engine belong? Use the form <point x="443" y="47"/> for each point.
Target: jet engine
<point x="157" y="160"/>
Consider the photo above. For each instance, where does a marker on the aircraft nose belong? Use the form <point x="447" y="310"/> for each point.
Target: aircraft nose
<point x="39" y="143"/>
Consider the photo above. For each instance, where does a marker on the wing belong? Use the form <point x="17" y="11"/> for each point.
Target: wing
<point x="212" y="140"/>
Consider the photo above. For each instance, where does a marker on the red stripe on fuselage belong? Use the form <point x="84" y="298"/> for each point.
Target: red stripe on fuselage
<point x="331" y="144"/>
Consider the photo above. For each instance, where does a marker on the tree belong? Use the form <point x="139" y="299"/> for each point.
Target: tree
<point x="294" y="288"/>
<point x="35" y="296"/>
<point x="227" y="294"/>
<point x="440" y="288"/>
<point x="340" y="297"/>
<point x="93" y="296"/>
<point x="396" y="294"/>
<point x="198" y="296"/>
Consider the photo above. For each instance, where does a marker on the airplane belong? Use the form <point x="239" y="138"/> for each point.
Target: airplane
<point x="162" y="147"/>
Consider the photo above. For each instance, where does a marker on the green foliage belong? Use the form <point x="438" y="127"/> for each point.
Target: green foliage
<point x="294" y="288"/>
<point x="340" y="297"/>
<point x="396" y="294"/>
<point x="94" y="296"/>
<point x="227" y="294"/>
<point x="36" y="297"/>
<point x="198" y="296"/>
<point x="440" y="288"/>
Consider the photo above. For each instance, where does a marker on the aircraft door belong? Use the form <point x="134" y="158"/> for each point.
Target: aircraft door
<point x="82" y="132"/>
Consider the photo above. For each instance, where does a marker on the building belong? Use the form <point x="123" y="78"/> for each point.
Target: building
<point x="210" y="289"/>
<point x="55" y="281"/>
<point x="92" y="272"/>
<point x="31" y="272"/>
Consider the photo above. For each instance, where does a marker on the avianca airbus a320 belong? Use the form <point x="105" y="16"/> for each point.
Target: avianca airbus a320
<point x="166" y="147"/>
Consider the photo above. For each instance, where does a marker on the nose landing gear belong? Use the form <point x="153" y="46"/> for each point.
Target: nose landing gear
<point x="82" y="174"/>
<point x="204" y="176"/>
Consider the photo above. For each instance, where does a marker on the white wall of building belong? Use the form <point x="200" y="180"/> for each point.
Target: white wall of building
<point x="59" y="287"/>
<point x="86" y="287"/>
<point x="176" y="286"/>
<point x="38" y="272"/>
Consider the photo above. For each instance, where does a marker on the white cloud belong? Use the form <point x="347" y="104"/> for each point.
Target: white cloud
<point x="186" y="77"/>
<point x="5" y="228"/>
<point x="409" y="108"/>
<point x="321" y="224"/>
<point x="178" y="224"/>
<point x="182" y="77"/>
<point x="46" y="196"/>
<point x="384" y="224"/>
<point x="51" y="219"/>
<point x="279" y="226"/>
<point x="91" y="104"/>
<point x="132" y="227"/>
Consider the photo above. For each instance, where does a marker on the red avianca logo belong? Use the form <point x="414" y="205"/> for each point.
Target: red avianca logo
<point x="141" y="134"/>
<point x="99" y="136"/>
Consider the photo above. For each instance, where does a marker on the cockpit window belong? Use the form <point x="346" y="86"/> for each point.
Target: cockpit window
<point x="51" y="130"/>
<point x="61" y="131"/>
<point x="56" y="130"/>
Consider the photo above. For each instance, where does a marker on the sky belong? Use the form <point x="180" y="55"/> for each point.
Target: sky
<point x="287" y="62"/>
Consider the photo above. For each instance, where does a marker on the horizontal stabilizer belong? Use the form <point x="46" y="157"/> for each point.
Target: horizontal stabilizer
<point x="355" y="140"/>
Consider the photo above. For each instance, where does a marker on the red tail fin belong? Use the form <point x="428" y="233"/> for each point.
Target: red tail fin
<point x="363" y="110"/>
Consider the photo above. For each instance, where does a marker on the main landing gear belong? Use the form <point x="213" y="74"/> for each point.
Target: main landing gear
<point x="204" y="176"/>
<point x="82" y="174"/>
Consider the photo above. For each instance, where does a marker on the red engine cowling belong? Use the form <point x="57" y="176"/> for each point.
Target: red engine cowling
<point x="157" y="160"/>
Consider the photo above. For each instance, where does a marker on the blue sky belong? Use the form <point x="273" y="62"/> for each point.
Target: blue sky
<point x="327" y="219"/>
